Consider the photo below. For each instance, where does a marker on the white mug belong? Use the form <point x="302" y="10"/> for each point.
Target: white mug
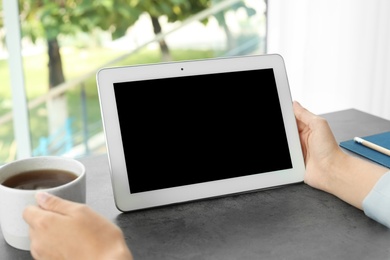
<point x="13" y="201"/>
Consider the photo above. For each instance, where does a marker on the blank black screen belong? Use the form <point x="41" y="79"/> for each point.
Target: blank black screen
<point x="193" y="129"/>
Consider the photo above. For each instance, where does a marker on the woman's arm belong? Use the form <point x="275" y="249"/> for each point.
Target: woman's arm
<point x="330" y="169"/>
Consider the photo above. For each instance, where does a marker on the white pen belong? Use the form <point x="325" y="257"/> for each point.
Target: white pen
<point x="372" y="146"/>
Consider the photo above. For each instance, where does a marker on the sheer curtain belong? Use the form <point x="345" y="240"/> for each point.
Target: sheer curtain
<point x="337" y="53"/>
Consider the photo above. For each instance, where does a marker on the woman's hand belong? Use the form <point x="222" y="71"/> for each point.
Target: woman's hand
<point x="61" y="229"/>
<point x="330" y="169"/>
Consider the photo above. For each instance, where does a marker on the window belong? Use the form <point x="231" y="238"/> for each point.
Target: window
<point x="61" y="51"/>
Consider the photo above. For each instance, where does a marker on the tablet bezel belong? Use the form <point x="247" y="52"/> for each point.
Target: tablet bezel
<point x="124" y="200"/>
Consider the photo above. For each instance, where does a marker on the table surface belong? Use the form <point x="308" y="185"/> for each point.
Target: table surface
<point x="290" y="222"/>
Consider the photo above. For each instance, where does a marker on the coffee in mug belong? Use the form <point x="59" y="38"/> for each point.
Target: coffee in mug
<point x="20" y="180"/>
<point x="39" y="179"/>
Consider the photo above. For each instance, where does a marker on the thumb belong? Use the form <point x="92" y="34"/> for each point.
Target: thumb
<point x="302" y="114"/>
<point x="52" y="203"/>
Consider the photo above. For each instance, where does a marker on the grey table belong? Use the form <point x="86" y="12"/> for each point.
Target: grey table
<point x="291" y="222"/>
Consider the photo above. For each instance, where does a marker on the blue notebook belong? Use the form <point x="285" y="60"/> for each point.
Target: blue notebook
<point x="382" y="139"/>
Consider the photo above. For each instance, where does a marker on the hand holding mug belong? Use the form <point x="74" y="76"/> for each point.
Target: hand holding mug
<point x="20" y="180"/>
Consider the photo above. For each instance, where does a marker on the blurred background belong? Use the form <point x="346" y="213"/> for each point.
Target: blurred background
<point x="337" y="56"/>
<point x="337" y="53"/>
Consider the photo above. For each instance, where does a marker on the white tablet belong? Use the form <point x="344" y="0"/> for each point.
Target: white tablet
<point x="189" y="130"/>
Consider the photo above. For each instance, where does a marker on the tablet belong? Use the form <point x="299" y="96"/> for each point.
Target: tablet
<point x="189" y="130"/>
